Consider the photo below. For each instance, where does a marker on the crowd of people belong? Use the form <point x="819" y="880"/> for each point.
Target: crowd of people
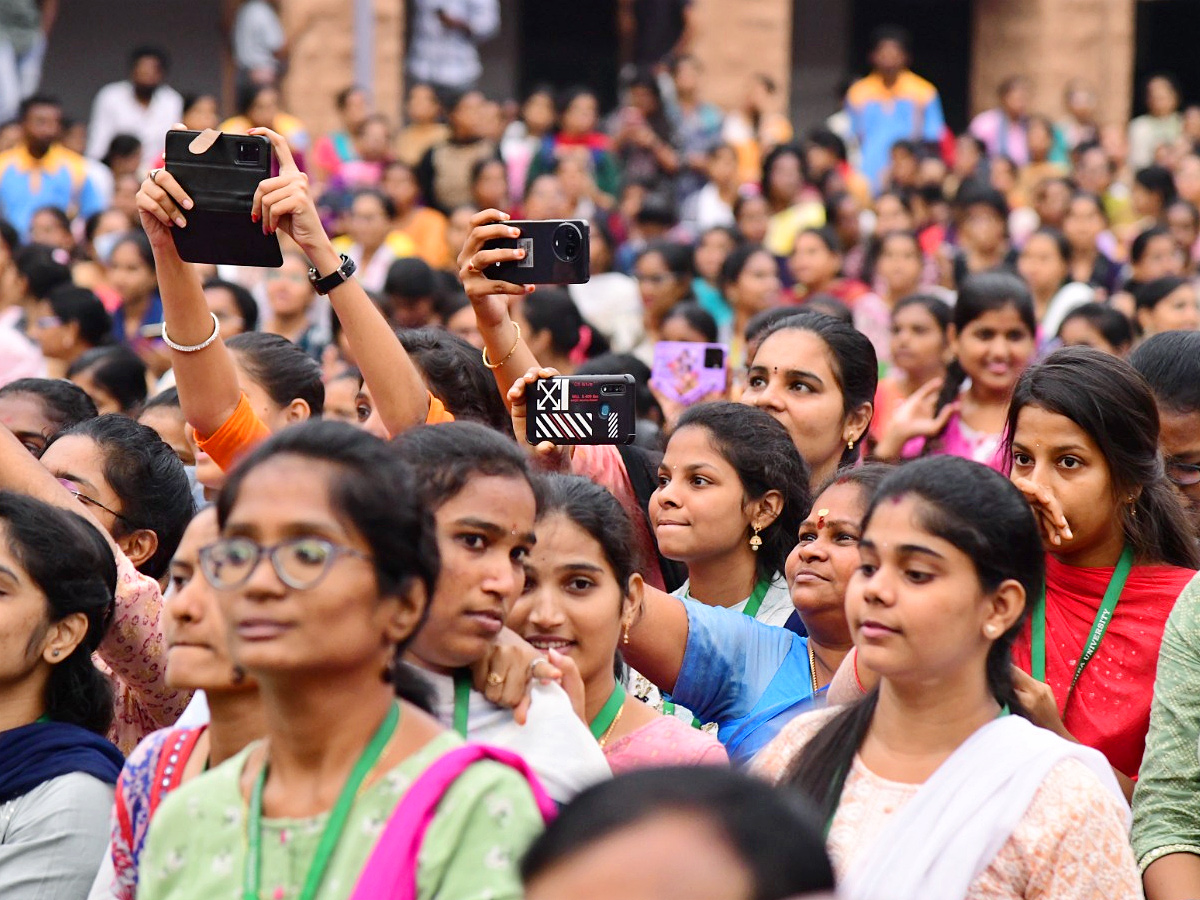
<point x="907" y="607"/>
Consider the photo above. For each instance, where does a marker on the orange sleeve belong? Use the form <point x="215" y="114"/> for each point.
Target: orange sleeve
<point x="238" y="435"/>
<point x="437" y="412"/>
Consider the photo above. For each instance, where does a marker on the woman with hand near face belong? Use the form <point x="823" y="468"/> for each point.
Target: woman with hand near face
<point x="1083" y="444"/>
<point x="477" y="485"/>
<point x="582" y="595"/>
<point x="936" y="783"/>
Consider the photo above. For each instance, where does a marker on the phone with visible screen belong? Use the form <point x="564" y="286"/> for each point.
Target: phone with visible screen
<point x="221" y="181"/>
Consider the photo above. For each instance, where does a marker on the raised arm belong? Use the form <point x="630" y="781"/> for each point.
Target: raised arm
<point x="285" y="203"/>
<point x="658" y="639"/>
<point x="507" y="354"/>
<point x="206" y="378"/>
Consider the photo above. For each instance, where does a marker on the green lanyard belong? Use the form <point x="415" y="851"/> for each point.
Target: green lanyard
<point x="1099" y="626"/>
<point x="608" y="712"/>
<point x="252" y="875"/>
<point x="462" y="701"/>
<point x="753" y="603"/>
<point x="756" y="599"/>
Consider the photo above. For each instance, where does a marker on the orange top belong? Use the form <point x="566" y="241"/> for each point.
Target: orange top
<point x="244" y="430"/>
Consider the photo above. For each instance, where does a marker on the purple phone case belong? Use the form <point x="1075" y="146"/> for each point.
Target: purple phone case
<point x="679" y="372"/>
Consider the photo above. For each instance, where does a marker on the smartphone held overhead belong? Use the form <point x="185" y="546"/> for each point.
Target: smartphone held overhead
<point x="221" y="172"/>
<point x="581" y="409"/>
<point x="557" y="251"/>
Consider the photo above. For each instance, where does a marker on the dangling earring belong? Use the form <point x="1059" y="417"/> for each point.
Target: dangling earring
<point x="755" y="540"/>
<point x="1133" y="507"/>
<point x="849" y="445"/>
<point x="625" y="636"/>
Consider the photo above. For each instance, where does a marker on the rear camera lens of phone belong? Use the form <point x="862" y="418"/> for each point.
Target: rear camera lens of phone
<point x="568" y="241"/>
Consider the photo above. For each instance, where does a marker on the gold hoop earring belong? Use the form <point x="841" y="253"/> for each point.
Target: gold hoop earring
<point x="755" y="540"/>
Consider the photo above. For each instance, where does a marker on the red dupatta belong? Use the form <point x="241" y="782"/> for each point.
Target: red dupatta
<point x="1109" y="709"/>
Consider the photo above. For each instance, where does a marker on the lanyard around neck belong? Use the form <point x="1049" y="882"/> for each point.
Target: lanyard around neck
<point x="753" y="602"/>
<point x="252" y="875"/>
<point x="756" y="599"/>
<point x="1104" y="614"/>
<point x="608" y="712"/>
<point x="462" y="701"/>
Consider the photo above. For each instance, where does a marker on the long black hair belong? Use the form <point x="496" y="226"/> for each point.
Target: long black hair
<point x="376" y="492"/>
<point x="855" y="366"/>
<point x="762" y="453"/>
<point x="979" y="512"/>
<point x="775" y="836"/>
<point x="1107" y="398"/>
<point x="83" y="580"/>
<point x="979" y="294"/>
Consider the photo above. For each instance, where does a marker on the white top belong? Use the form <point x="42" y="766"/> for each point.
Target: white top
<point x="776" y="607"/>
<point x="53" y="838"/>
<point x="554" y="741"/>
<point x="117" y="111"/>
<point x="1069" y="298"/>
<point x="257" y="35"/>
<point x="612" y="304"/>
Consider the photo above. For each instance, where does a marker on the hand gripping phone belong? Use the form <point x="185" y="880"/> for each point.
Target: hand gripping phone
<point x="221" y="180"/>
<point x="557" y="251"/>
<point x="581" y="409"/>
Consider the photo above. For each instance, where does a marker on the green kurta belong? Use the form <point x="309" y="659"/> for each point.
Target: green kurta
<point x="196" y="848"/>
<point x="1166" y="801"/>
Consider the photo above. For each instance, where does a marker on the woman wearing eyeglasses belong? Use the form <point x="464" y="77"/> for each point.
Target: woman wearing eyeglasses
<point x="324" y="570"/>
<point x="133" y="488"/>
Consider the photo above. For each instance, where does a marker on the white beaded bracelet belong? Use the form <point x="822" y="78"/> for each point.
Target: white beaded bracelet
<point x="195" y="348"/>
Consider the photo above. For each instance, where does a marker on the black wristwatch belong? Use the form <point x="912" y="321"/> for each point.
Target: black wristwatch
<point x="325" y="284"/>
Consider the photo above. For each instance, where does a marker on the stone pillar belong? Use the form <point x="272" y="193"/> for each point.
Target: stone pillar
<point x="739" y="38"/>
<point x="321" y="33"/>
<point x="1054" y="41"/>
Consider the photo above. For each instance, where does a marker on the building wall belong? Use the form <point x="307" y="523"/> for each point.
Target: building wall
<point x="1053" y="41"/>
<point x="738" y="38"/>
<point x="322" y="34"/>
<point x="91" y="42"/>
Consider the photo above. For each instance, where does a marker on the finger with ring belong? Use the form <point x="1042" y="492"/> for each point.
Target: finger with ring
<point x="537" y="661"/>
<point x="494" y="679"/>
<point x="154" y="175"/>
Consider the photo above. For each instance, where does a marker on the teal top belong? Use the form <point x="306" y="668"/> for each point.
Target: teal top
<point x="196" y="848"/>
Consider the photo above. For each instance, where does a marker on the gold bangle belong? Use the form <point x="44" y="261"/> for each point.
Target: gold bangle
<point x="517" y="326"/>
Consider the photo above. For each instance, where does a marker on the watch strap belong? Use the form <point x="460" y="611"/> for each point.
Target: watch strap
<point x="323" y="284"/>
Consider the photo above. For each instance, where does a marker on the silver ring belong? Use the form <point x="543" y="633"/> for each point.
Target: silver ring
<point x="533" y="665"/>
<point x="154" y="175"/>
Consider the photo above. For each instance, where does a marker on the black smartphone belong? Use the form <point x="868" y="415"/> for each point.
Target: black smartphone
<point x="221" y="180"/>
<point x="581" y="409"/>
<point x="557" y="251"/>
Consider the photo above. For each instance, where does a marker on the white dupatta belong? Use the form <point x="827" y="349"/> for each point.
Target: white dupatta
<point x="939" y="842"/>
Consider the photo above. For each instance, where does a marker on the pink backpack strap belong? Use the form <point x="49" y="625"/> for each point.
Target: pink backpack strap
<point x="391" y="870"/>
